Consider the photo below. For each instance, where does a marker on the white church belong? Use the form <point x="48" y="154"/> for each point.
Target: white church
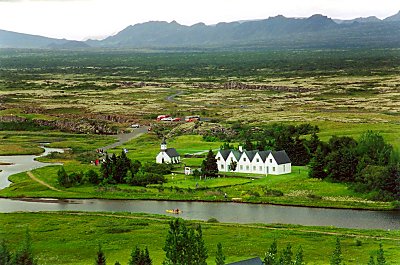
<point x="254" y="162"/>
<point x="167" y="155"/>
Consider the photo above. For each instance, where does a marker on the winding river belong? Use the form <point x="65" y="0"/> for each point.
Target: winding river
<point x="223" y="212"/>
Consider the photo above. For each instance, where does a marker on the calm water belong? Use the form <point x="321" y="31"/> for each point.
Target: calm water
<point x="22" y="163"/>
<point x="224" y="212"/>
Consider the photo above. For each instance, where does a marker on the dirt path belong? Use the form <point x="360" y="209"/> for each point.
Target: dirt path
<point x="126" y="137"/>
<point x="30" y="174"/>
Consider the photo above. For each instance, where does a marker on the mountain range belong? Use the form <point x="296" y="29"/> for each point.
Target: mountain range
<point x="317" y="31"/>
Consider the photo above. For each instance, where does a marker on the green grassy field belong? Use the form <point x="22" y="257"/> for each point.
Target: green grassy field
<point x="73" y="238"/>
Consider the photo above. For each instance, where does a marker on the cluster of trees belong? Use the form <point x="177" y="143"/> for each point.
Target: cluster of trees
<point x="370" y="164"/>
<point x="272" y="257"/>
<point x="22" y="256"/>
<point x="184" y="245"/>
<point x="280" y="137"/>
<point x="117" y="170"/>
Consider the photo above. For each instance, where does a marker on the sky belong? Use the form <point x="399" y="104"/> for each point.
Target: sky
<point x="97" y="19"/>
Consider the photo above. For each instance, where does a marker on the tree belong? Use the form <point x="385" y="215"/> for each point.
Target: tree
<point x="140" y="257"/>
<point x="342" y="164"/>
<point x="380" y="259"/>
<point x="63" y="178"/>
<point x="317" y="165"/>
<point x="101" y="258"/>
<point x="233" y="165"/>
<point x="261" y="145"/>
<point x="299" y="258"/>
<point x="24" y="255"/>
<point x="5" y="254"/>
<point x="146" y="257"/>
<point x="313" y="143"/>
<point x="372" y="146"/>
<point x="248" y="145"/>
<point x="336" y="258"/>
<point x="271" y="256"/>
<point x="219" y="255"/>
<point x="135" y="256"/>
<point x="92" y="177"/>
<point x="209" y="167"/>
<point x="184" y="246"/>
<point x="371" y="260"/>
<point x="287" y="255"/>
<point x="298" y="152"/>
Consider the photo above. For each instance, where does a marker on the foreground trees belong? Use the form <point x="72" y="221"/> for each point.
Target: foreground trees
<point x="184" y="245"/>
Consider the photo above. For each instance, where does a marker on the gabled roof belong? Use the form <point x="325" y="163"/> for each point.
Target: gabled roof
<point x="171" y="152"/>
<point x="237" y="154"/>
<point x="264" y="155"/>
<point x="253" y="261"/>
<point x="251" y="154"/>
<point x="281" y="157"/>
<point x="225" y="153"/>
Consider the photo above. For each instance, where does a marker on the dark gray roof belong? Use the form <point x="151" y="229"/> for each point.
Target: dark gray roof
<point x="264" y="155"/>
<point x="225" y="153"/>
<point x="281" y="157"/>
<point x="251" y="154"/>
<point x="237" y="154"/>
<point x="253" y="261"/>
<point x="171" y="152"/>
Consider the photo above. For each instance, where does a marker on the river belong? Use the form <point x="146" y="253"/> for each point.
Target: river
<point x="22" y="163"/>
<point x="223" y="212"/>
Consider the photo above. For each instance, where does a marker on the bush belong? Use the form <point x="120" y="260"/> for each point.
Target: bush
<point x="212" y="220"/>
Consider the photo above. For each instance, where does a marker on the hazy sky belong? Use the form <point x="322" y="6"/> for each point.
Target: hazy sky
<point x="81" y="19"/>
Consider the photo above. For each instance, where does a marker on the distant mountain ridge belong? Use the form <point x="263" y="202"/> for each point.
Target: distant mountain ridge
<point x="317" y="31"/>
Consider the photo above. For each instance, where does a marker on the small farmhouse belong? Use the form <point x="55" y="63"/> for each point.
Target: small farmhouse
<point x="167" y="155"/>
<point x="254" y="162"/>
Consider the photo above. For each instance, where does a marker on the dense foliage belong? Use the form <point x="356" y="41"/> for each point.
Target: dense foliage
<point x="117" y="170"/>
<point x="370" y="164"/>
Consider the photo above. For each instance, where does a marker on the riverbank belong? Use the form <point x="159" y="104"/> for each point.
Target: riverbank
<point x="120" y="232"/>
<point x="293" y="190"/>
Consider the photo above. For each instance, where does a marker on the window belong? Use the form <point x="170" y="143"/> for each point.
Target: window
<point x="222" y="166"/>
<point x="273" y="169"/>
<point x="219" y="159"/>
<point x="258" y="160"/>
<point x="244" y="159"/>
<point x="284" y="169"/>
<point x="260" y="168"/>
<point x="247" y="168"/>
<point x="254" y="168"/>
<point x="270" y="160"/>
<point x="241" y="167"/>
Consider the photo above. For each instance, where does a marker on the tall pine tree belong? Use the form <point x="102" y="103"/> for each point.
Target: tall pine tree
<point x="336" y="258"/>
<point x="209" y="167"/>
<point x="219" y="255"/>
<point x="100" y="258"/>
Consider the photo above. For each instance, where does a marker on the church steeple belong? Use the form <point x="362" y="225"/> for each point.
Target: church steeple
<point x="163" y="144"/>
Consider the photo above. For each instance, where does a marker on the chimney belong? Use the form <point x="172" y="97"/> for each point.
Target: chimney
<point x="240" y="148"/>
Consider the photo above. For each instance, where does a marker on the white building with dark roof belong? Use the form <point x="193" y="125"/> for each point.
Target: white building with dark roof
<point x="167" y="155"/>
<point x="254" y="162"/>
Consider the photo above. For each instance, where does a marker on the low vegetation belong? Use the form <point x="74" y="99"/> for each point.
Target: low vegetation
<point x="74" y="237"/>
